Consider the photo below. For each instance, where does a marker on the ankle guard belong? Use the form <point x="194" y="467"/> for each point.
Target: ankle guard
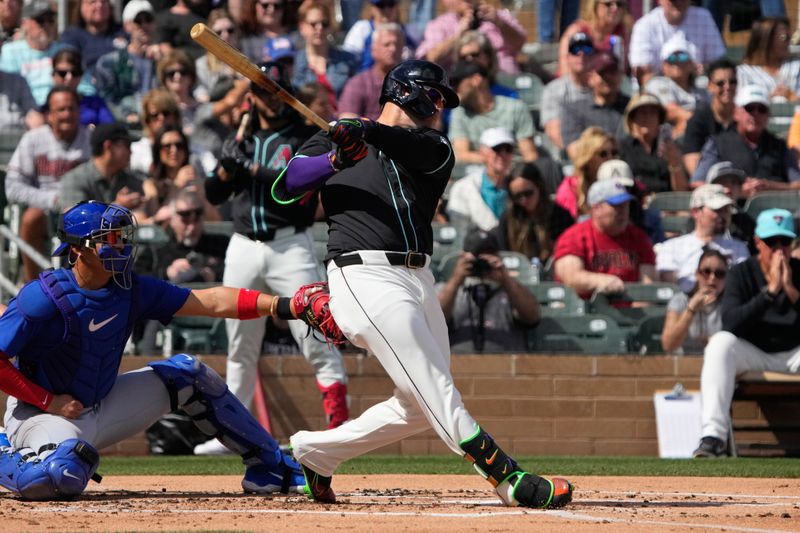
<point x="489" y="460"/>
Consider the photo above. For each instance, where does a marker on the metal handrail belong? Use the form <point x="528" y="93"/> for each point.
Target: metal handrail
<point x="6" y="283"/>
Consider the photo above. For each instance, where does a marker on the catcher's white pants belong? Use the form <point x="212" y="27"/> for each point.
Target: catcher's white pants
<point x="725" y="357"/>
<point x="279" y="266"/>
<point x="394" y="313"/>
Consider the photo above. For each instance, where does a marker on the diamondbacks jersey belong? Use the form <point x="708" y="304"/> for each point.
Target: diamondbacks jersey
<point x="254" y="211"/>
<point x="388" y="199"/>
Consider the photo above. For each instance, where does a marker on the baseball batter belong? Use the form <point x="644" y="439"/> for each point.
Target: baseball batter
<point x="381" y="182"/>
<point x="67" y="330"/>
<point x="272" y="248"/>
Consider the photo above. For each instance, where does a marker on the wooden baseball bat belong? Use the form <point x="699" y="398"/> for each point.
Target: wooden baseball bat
<point x="209" y="40"/>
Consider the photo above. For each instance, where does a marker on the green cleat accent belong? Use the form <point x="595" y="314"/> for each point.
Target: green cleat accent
<point x="318" y="488"/>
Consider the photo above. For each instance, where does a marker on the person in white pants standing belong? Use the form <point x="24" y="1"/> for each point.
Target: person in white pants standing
<point x="760" y="320"/>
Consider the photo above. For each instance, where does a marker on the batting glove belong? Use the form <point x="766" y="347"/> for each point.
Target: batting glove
<point x="233" y="159"/>
<point x="344" y="157"/>
<point x="348" y="130"/>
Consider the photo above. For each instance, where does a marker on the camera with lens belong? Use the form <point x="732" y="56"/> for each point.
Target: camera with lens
<point x="480" y="267"/>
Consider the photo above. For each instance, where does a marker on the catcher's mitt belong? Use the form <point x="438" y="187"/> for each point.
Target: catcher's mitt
<point x="311" y="305"/>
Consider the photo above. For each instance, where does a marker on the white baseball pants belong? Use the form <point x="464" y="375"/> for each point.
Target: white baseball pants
<point x="726" y="356"/>
<point x="392" y="312"/>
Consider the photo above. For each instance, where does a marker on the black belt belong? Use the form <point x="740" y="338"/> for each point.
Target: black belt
<point x="269" y="235"/>
<point x="406" y="259"/>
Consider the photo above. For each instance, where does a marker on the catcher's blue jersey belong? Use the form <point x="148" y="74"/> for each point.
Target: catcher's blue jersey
<point x="69" y="340"/>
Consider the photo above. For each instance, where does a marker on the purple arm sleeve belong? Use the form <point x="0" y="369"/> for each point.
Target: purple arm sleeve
<point x="307" y="173"/>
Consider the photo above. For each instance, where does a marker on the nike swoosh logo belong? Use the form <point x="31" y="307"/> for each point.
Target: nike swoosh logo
<point x="67" y="473"/>
<point x="94" y="327"/>
<point x="490" y="460"/>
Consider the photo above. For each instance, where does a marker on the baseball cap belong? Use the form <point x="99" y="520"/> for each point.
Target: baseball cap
<point x="279" y="48"/>
<point x="580" y="38"/>
<point x="497" y="136"/>
<point x="34" y="8"/>
<point x="603" y="60"/>
<point x="775" y="222"/>
<point x="678" y="43"/>
<point x="722" y="169"/>
<point x="752" y="94"/>
<point x="711" y="196"/>
<point x="480" y="242"/>
<point x="617" y="170"/>
<point x="465" y="69"/>
<point x="642" y="100"/>
<point x="609" y="191"/>
<point x="135" y="7"/>
<point x="112" y="131"/>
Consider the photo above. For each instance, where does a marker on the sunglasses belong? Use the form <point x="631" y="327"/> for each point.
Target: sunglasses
<point x="614" y="3"/>
<point x="277" y="6"/>
<point x="177" y="145"/>
<point x="144" y="18"/>
<point x="319" y="24"/>
<point x="778" y="241"/>
<point x="385" y="4"/>
<point x="190" y="214"/>
<point x="523" y="195"/>
<point x="678" y="58"/>
<point x="434" y="95"/>
<point x="752" y="109"/>
<point x="503" y="148"/>
<point x="160" y="114"/>
<point x="63" y="73"/>
<point x="230" y="30"/>
<point x="172" y="73"/>
<point x="43" y="20"/>
<point x="718" y="273"/>
<point x="722" y="83"/>
<point x="581" y="49"/>
<point x="608" y="153"/>
<point x="470" y="56"/>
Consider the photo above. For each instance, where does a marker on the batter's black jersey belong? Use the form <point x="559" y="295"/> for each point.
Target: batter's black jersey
<point x="388" y="199"/>
<point x="255" y="213"/>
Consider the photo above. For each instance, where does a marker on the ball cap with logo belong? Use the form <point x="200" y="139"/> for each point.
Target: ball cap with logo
<point x="609" y="191"/>
<point x="775" y="223"/>
<point x="752" y="94"/>
<point x="617" y="170"/>
<point x="724" y="169"/>
<point x="497" y="136"/>
<point x="711" y="196"/>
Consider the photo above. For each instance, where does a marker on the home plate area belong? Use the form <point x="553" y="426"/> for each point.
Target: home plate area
<point x="415" y="503"/>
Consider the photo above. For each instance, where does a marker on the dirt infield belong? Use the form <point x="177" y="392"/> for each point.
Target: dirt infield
<point x="415" y="503"/>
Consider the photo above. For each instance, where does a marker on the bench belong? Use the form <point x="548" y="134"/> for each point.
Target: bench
<point x="770" y="425"/>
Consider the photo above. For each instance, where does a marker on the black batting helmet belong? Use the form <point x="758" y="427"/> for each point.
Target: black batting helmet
<point x="277" y="72"/>
<point x="409" y="85"/>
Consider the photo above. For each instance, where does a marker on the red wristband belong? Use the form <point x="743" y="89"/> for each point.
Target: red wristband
<point x="248" y="304"/>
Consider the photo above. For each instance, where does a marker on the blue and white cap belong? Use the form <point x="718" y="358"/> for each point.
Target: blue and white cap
<point x="609" y="191"/>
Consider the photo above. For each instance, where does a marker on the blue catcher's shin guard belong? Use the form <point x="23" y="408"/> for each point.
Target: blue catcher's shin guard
<point x="62" y="475"/>
<point x="218" y="413"/>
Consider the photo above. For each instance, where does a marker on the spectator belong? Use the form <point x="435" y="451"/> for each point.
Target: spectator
<point x="42" y="156"/>
<point x="767" y="8"/>
<point x="124" y="76"/>
<point x="93" y="32"/>
<point x="711" y="211"/>
<point x="359" y="37"/>
<point x="767" y="61"/>
<point x="647" y="146"/>
<point x="173" y="27"/>
<point x="571" y="86"/>
<point x="604" y="252"/>
<point x="675" y="88"/>
<point x="592" y="149"/>
<point x="759" y="325"/>
<point x="177" y="74"/>
<point x="261" y="21"/>
<point x="478" y="199"/>
<point x="105" y="177"/>
<point x="692" y="318"/>
<point x="159" y="110"/>
<point x="481" y="110"/>
<point x="731" y="179"/>
<point x="473" y="46"/>
<point x="713" y="117"/>
<point x="567" y="10"/>
<point x="604" y="108"/>
<point x="531" y="223"/>
<point x="10" y="18"/>
<point x="607" y="25"/>
<point x="17" y="107"/>
<point x="67" y="71"/>
<point x="654" y="29"/>
<point x="765" y="158"/>
<point x="503" y="30"/>
<point x="31" y="56"/>
<point x="314" y="96"/>
<point x="486" y="309"/>
<point x="361" y="94"/>
<point x="209" y="68"/>
<point x="319" y="60"/>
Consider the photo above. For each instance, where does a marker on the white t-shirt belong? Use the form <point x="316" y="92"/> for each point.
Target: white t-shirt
<point x="681" y="255"/>
<point x="788" y="75"/>
<point x="670" y="92"/>
<point x="652" y="30"/>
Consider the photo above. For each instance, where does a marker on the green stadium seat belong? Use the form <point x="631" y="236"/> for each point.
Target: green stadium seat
<point x="654" y="296"/>
<point x="647" y="338"/>
<point x="588" y="334"/>
<point x="789" y="200"/>
<point x="151" y="235"/>
<point x="221" y="227"/>
<point x="528" y="86"/>
<point x="676" y="224"/>
<point x="556" y="299"/>
<point x="671" y="201"/>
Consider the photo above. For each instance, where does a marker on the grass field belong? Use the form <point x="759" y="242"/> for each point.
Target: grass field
<point x="382" y="464"/>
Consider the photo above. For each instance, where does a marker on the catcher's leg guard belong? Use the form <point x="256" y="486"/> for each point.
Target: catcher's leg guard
<point x="334" y="402"/>
<point x="62" y="475"/>
<point x="512" y="484"/>
<point x="218" y="413"/>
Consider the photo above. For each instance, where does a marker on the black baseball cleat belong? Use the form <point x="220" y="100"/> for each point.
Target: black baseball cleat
<point x="536" y="492"/>
<point x="318" y="488"/>
<point x="711" y="447"/>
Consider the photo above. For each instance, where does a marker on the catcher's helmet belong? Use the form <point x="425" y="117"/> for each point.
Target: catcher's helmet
<point x="412" y="84"/>
<point x="111" y="226"/>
